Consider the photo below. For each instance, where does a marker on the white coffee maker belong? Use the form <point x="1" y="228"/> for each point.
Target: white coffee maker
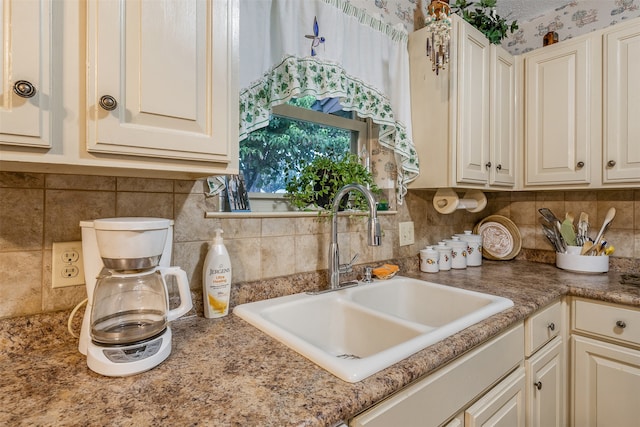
<point x="125" y="326"/>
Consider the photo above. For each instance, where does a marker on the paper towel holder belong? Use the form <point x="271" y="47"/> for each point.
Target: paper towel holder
<point x="446" y="201"/>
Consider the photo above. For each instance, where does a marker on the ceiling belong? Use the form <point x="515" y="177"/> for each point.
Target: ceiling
<point x="526" y="10"/>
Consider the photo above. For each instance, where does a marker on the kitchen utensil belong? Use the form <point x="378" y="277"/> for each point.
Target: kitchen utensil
<point x="567" y="231"/>
<point x="583" y="229"/>
<point x="552" y="235"/>
<point x="586" y="247"/>
<point x="609" y="250"/>
<point x="549" y="216"/>
<point x="556" y="226"/>
<point x="611" y="213"/>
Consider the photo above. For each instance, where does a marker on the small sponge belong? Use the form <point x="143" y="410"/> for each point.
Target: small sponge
<point x="386" y="271"/>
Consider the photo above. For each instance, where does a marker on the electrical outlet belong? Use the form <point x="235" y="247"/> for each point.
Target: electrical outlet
<point x="66" y="267"/>
<point x="406" y="233"/>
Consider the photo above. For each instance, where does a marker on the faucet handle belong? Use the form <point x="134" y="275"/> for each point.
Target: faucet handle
<point x="348" y="268"/>
<point x="368" y="271"/>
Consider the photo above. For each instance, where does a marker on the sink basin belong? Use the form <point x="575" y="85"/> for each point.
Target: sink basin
<point x="358" y="331"/>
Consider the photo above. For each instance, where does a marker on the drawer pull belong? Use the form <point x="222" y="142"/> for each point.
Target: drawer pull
<point x="621" y="324"/>
<point x="551" y="326"/>
<point x="538" y="385"/>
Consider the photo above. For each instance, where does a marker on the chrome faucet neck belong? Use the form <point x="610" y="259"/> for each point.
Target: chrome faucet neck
<point x="373" y="229"/>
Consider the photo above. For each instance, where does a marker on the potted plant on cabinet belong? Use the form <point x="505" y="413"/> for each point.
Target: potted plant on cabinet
<point x="484" y="17"/>
<point x="313" y="186"/>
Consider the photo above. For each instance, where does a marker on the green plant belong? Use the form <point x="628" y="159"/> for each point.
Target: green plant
<point x="316" y="183"/>
<point x="483" y="16"/>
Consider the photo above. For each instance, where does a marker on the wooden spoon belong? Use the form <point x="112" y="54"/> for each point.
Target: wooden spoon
<point x="611" y="213"/>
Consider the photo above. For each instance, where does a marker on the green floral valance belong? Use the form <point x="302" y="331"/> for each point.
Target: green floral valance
<point x="296" y="77"/>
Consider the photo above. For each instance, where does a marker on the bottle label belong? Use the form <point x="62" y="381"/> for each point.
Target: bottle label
<point x="218" y="287"/>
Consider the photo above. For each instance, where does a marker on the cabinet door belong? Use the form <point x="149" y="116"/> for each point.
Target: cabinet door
<point x="503" y="117"/>
<point x="472" y="108"/>
<point x="503" y="406"/>
<point x="25" y="72"/>
<point x="606" y="384"/>
<point x="162" y="71"/>
<point x="561" y="97"/>
<point x="546" y="386"/>
<point x="622" y="105"/>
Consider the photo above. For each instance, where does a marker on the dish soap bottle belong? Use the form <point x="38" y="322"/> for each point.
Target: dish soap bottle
<point x="216" y="279"/>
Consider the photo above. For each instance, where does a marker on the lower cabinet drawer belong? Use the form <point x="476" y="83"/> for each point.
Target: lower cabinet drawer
<point x="543" y="326"/>
<point x="610" y="321"/>
<point x="439" y="396"/>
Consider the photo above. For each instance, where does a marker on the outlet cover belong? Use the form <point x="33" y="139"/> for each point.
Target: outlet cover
<point x="67" y="267"/>
<point x="406" y="233"/>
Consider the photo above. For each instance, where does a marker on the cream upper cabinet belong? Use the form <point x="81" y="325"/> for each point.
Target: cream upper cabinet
<point x="562" y="106"/>
<point x="502" y="171"/>
<point x="140" y="87"/>
<point x="156" y="79"/>
<point x="621" y="104"/>
<point x="464" y="118"/>
<point x="470" y="121"/>
<point x="26" y="100"/>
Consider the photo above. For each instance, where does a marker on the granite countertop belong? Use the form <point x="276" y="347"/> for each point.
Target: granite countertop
<point x="225" y="372"/>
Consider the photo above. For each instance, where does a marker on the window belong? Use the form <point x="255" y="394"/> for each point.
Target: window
<point x="298" y="132"/>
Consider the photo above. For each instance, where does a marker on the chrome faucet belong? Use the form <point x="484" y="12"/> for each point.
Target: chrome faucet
<point x="373" y="231"/>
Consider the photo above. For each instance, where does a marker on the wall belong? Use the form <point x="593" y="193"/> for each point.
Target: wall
<point x="38" y="209"/>
<point x="569" y="20"/>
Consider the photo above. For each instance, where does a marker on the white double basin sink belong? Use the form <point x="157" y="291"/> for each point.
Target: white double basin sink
<point x="358" y="331"/>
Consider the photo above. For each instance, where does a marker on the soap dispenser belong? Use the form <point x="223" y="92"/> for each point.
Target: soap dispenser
<point x="216" y="279"/>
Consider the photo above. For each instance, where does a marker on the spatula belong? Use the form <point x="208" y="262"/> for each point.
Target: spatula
<point x="567" y="230"/>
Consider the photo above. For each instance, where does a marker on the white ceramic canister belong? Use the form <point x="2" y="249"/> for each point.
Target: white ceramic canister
<point x="458" y="252"/>
<point x="474" y="247"/>
<point x="444" y="256"/>
<point x="429" y="260"/>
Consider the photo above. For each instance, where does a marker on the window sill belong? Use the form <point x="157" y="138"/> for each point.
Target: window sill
<point x="288" y="214"/>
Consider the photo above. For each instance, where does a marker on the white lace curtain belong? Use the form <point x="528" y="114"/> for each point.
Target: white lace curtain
<point x="359" y="59"/>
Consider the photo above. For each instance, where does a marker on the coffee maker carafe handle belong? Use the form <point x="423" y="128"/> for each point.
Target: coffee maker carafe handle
<point x="183" y="290"/>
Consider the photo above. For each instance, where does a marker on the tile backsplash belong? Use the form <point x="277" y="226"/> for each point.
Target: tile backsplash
<point x="39" y="209"/>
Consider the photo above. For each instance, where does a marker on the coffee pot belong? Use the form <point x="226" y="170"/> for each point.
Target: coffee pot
<point x="125" y="329"/>
<point x="134" y="307"/>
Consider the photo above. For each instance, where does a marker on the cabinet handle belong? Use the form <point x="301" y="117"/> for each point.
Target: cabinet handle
<point x="611" y="163"/>
<point x="499" y="167"/>
<point x="108" y="102"/>
<point x="488" y="165"/>
<point x="621" y="324"/>
<point x="538" y="385"/>
<point x="551" y="326"/>
<point x="580" y="165"/>
<point x="24" y="89"/>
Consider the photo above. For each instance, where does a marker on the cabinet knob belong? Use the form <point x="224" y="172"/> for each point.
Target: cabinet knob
<point x="108" y="102"/>
<point x="580" y="165"/>
<point x="551" y="326"/>
<point x="621" y="324"/>
<point x="499" y="167"/>
<point x="24" y="89"/>
<point x="538" y="385"/>
<point x="488" y="165"/>
<point x="611" y="163"/>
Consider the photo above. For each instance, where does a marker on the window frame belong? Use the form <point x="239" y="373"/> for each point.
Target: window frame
<point x="274" y="202"/>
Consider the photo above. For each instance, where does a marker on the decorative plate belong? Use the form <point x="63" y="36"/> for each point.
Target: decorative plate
<point x="501" y="239"/>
